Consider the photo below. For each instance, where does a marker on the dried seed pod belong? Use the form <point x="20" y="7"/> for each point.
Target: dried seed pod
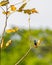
<point x="21" y="8"/>
<point x="34" y="10"/>
<point x="23" y="0"/>
<point x="27" y="11"/>
<point x="8" y="43"/>
<point x="3" y="3"/>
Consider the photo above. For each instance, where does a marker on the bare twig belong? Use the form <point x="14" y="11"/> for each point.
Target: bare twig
<point x="23" y="56"/>
<point x="18" y="3"/>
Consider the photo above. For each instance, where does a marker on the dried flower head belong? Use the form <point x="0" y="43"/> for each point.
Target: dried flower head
<point x="34" y="10"/>
<point x="13" y="8"/>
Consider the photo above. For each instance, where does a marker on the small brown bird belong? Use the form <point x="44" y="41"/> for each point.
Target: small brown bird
<point x="37" y="43"/>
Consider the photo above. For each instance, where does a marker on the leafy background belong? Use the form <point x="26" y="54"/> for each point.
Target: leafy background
<point x="20" y="45"/>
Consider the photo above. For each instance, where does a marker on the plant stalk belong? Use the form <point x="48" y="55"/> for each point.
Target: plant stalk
<point x="4" y="26"/>
<point x="23" y="56"/>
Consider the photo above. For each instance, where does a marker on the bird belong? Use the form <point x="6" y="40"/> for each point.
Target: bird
<point x="37" y="43"/>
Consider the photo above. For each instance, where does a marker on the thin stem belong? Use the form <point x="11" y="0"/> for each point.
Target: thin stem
<point x="29" y="28"/>
<point x="29" y="23"/>
<point x="30" y="45"/>
<point x="23" y="56"/>
<point x="4" y="26"/>
<point x="29" y="31"/>
<point x="20" y="2"/>
<point x="2" y="8"/>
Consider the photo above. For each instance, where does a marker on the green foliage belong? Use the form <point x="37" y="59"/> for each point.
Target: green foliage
<point x="37" y="56"/>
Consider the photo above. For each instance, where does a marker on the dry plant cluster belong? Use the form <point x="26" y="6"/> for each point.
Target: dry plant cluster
<point x="9" y="10"/>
